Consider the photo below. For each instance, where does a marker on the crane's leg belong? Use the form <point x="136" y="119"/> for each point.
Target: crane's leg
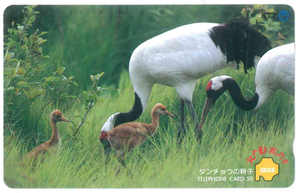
<point x="193" y="113"/>
<point x="182" y="115"/>
<point x="185" y="92"/>
<point x="194" y="118"/>
<point x="182" y="128"/>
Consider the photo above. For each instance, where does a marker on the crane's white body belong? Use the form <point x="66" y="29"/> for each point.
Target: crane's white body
<point x="177" y="58"/>
<point x="180" y="57"/>
<point x="275" y="70"/>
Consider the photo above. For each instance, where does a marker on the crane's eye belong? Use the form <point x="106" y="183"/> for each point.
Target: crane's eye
<point x="164" y="109"/>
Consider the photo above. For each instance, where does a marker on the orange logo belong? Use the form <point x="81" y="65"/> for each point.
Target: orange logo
<point x="267" y="169"/>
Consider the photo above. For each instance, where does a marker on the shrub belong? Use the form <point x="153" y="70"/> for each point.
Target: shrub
<point x="28" y="88"/>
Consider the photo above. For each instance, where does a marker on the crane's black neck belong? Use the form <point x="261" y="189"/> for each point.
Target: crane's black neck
<point x="236" y="95"/>
<point x="131" y="115"/>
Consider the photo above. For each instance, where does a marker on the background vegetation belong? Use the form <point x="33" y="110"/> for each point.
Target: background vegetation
<point x="50" y="53"/>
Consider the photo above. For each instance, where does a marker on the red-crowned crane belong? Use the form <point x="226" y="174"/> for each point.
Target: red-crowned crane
<point x="275" y="70"/>
<point x="180" y="57"/>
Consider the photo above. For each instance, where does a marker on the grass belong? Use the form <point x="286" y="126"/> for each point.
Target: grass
<point x="230" y="135"/>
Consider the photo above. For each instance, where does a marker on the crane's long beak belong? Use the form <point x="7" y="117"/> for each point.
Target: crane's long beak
<point x="64" y="119"/>
<point x="207" y="106"/>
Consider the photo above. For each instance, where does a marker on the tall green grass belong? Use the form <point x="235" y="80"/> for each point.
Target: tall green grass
<point x="230" y="135"/>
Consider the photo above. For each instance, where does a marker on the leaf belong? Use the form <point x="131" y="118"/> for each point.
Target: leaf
<point x="93" y="97"/>
<point x="42" y="33"/>
<point x="256" y="6"/>
<point x="17" y="91"/>
<point x="270" y="10"/>
<point x="64" y="94"/>
<point x="23" y="47"/>
<point x="92" y="77"/>
<point x="60" y="69"/>
<point x="101" y="99"/>
<point x="9" y="88"/>
<point x="52" y="79"/>
<point x="9" y="71"/>
<point x="69" y="96"/>
<point x="29" y="9"/>
<point x="26" y="93"/>
<point x="31" y="19"/>
<point x="7" y="56"/>
<point x="72" y="96"/>
<point x="85" y="94"/>
<point x="23" y="84"/>
<point x="41" y="66"/>
<point x="34" y="93"/>
<point x="253" y="20"/>
<point x="243" y="12"/>
<point x="280" y="36"/>
<point x="74" y="83"/>
<point x="44" y="40"/>
<point x="40" y="50"/>
<point x="21" y="72"/>
<point x="97" y="76"/>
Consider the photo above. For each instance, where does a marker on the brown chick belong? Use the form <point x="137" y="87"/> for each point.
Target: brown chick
<point x="55" y="116"/>
<point x="129" y="135"/>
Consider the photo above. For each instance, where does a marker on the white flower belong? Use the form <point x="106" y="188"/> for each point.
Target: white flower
<point x="20" y="27"/>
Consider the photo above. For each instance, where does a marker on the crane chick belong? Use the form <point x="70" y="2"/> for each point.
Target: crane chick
<point x="129" y="135"/>
<point x="55" y="116"/>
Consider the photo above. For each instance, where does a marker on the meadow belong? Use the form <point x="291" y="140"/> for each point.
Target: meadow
<point x="229" y="137"/>
<point x="50" y="53"/>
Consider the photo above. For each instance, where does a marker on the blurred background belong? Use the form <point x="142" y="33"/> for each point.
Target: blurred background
<point x="53" y="52"/>
<point x="89" y="39"/>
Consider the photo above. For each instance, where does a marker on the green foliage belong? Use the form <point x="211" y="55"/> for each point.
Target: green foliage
<point x="90" y="100"/>
<point x="29" y="88"/>
<point x="264" y="18"/>
<point x="229" y="137"/>
<point x="26" y="78"/>
<point x="89" y="39"/>
<point x="92" y="97"/>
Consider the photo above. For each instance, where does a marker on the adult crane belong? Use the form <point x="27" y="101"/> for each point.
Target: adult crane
<point x="180" y="57"/>
<point x="275" y="70"/>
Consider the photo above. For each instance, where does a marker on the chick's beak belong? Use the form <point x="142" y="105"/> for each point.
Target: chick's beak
<point x="64" y="119"/>
<point x="170" y="114"/>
